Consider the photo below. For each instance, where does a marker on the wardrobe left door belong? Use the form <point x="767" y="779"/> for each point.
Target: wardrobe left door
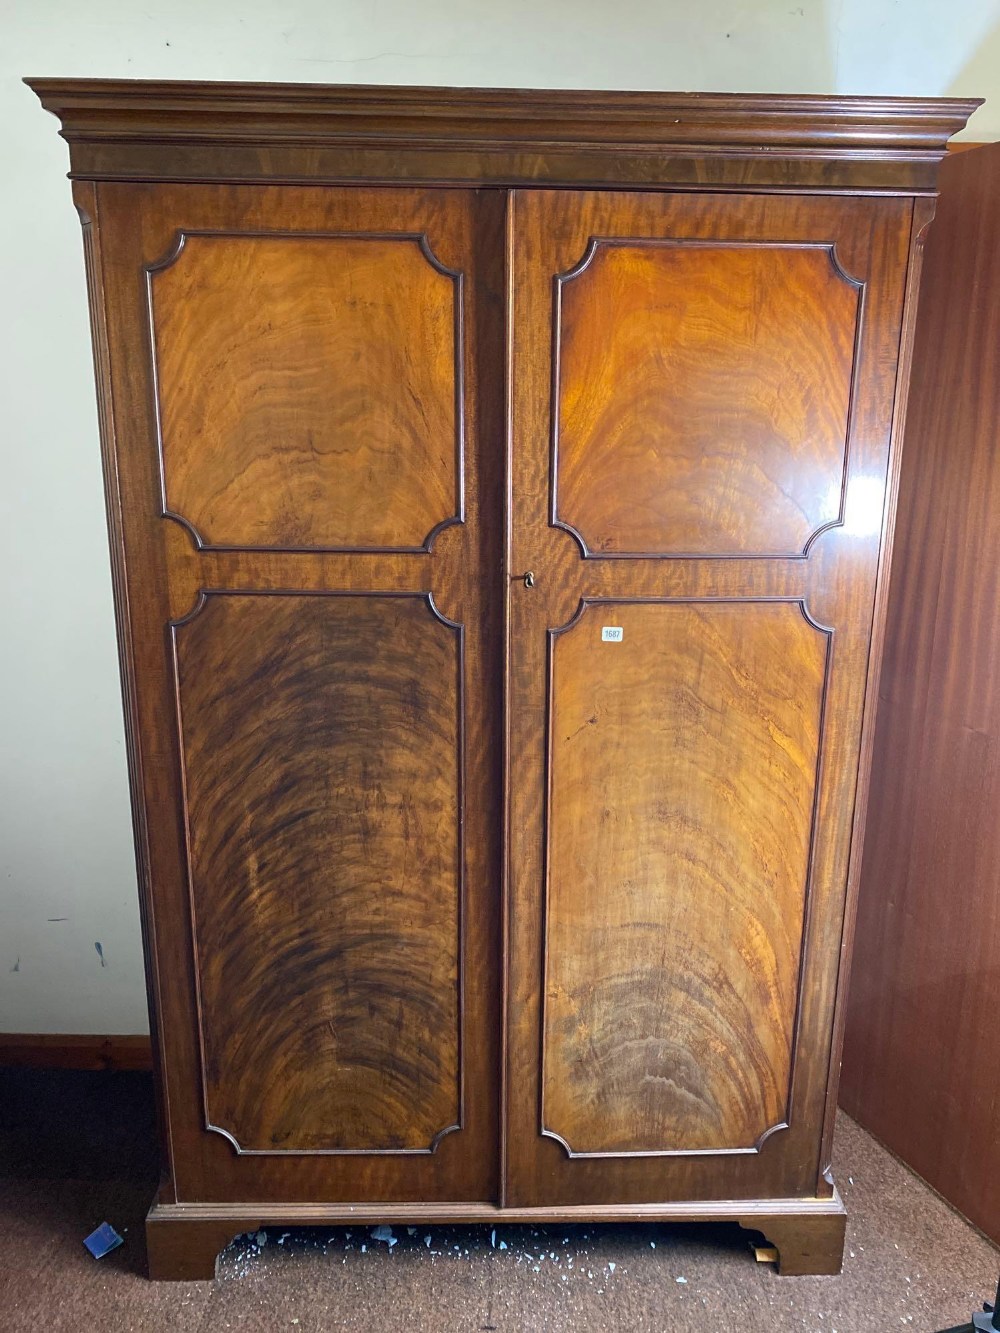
<point x="303" y="442"/>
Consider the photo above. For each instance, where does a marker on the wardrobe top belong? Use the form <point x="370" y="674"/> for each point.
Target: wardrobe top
<point x="123" y="129"/>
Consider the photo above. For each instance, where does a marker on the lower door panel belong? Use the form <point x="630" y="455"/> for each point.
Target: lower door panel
<point x="684" y="754"/>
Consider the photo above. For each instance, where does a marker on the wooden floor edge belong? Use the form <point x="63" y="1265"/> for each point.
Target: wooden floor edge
<point x="43" y="1050"/>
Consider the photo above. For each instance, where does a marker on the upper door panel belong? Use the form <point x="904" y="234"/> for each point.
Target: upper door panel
<point x="702" y="396"/>
<point x="309" y="389"/>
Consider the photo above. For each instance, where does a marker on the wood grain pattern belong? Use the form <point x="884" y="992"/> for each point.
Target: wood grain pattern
<point x="683" y="769"/>
<point x="920" y="1057"/>
<point x="309" y="390"/>
<point x="744" y="1075"/>
<point x="322" y="769"/>
<point x="702" y="397"/>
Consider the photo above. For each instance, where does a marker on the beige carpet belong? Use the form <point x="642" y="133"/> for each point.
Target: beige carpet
<point x="911" y="1262"/>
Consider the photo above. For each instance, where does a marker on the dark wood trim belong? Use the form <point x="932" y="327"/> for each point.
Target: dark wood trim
<point x="122" y="129"/>
<point x="318" y="1214"/>
<point x="43" y="1050"/>
<point x="85" y="199"/>
<point x="923" y="216"/>
<point x="506" y="905"/>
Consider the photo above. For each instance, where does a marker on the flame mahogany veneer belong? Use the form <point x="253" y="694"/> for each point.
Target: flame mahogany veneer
<point x="500" y="488"/>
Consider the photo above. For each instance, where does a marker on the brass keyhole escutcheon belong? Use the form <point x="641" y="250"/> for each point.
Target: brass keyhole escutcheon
<point x="529" y="579"/>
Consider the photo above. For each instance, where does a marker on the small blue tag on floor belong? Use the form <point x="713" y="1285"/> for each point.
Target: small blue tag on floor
<point x="103" y="1240"/>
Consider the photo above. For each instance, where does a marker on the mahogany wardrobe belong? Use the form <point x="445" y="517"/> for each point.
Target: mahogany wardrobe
<point x="500" y="487"/>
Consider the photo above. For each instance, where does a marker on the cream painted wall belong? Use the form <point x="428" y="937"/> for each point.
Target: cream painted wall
<point x="67" y="878"/>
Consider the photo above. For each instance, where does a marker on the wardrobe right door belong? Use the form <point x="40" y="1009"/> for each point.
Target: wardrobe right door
<point x="703" y="391"/>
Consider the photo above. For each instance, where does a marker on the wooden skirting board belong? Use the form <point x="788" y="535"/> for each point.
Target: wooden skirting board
<point x="38" y="1050"/>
